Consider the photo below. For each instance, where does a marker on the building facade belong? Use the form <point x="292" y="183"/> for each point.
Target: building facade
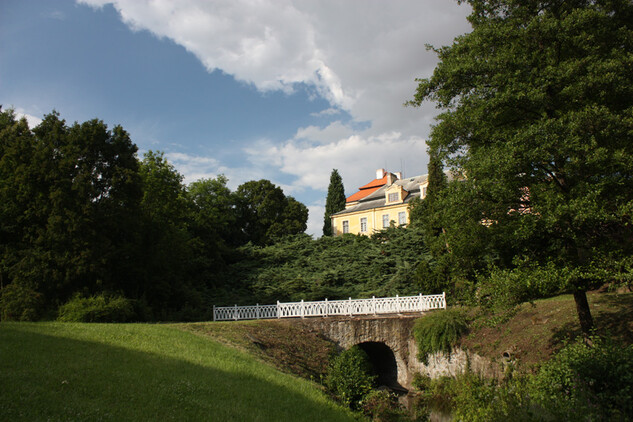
<point x="378" y="204"/>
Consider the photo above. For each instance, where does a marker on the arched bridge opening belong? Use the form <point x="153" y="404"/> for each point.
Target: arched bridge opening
<point x="384" y="363"/>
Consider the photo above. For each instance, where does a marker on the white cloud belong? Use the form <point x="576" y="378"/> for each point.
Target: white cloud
<point x="363" y="56"/>
<point x="355" y="157"/>
<point x="32" y="120"/>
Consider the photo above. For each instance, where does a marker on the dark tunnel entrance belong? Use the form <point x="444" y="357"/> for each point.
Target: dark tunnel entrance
<point x="384" y="363"/>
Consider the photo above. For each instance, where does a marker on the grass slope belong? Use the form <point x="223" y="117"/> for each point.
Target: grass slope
<point x="58" y="371"/>
<point x="541" y="328"/>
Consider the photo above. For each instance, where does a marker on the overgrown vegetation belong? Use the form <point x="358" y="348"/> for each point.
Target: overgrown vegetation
<point x="99" y="308"/>
<point x="350" y="378"/>
<point x="439" y="331"/>
<point x="581" y="383"/>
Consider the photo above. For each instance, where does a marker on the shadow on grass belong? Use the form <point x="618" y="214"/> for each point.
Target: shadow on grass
<point x="44" y="377"/>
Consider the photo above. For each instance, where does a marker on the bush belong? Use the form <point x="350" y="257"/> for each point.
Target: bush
<point x="508" y="288"/>
<point x="587" y="382"/>
<point x="350" y="377"/>
<point x="100" y="308"/>
<point x="383" y="406"/>
<point x="439" y="331"/>
<point x="20" y="303"/>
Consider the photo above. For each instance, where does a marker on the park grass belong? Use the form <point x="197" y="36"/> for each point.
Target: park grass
<point x="89" y="372"/>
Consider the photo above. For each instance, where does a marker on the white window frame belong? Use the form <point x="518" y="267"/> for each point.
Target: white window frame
<point x="345" y="226"/>
<point x="385" y="221"/>
<point x="393" y="197"/>
<point x="402" y="218"/>
<point x="424" y="192"/>
<point x="363" y="225"/>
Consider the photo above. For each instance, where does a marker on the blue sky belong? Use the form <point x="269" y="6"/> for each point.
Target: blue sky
<point x="281" y="90"/>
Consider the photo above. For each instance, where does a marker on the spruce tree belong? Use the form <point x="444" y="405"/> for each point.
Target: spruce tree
<point x="335" y="201"/>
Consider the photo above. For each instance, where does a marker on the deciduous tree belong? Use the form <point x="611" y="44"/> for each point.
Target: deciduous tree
<point x="538" y="114"/>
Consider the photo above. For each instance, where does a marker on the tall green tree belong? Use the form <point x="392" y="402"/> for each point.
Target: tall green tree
<point x="538" y="114"/>
<point x="334" y="202"/>
<point x="70" y="198"/>
<point x="265" y="214"/>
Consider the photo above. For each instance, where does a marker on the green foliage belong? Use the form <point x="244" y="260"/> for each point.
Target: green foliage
<point x="334" y="202"/>
<point x="439" y="331"/>
<point x="537" y="103"/>
<point x="265" y="214"/>
<point x="99" y="308"/>
<point x="19" y="303"/>
<point x="383" y="406"/>
<point x="506" y="288"/>
<point x="300" y="267"/>
<point x="590" y="382"/>
<point x="350" y="377"/>
<point x="581" y="383"/>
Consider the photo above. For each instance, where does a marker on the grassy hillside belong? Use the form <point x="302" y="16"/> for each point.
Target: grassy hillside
<point x="58" y="371"/>
<point x="535" y="331"/>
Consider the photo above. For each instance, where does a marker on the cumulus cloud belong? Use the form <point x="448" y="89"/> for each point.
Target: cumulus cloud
<point x="361" y="56"/>
<point x="32" y="120"/>
<point x="355" y="157"/>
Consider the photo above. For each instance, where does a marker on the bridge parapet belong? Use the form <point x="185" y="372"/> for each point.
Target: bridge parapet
<point x="325" y="308"/>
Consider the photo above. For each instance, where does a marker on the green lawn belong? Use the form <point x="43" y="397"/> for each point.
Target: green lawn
<point x="74" y="372"/>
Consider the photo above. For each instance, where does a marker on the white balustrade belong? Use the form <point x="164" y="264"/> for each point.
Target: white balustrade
<point x="349" y="307"/>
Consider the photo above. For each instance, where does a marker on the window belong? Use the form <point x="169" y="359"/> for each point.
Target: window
<point x="402" y="218"/>
<point x="385" y="221"/>
<point x="345" y="226"/>
<point x="363" y="225"/>
<point x="393" y="197"/>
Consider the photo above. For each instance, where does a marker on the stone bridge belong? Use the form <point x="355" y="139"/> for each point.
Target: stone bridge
<point x="389" y="343"/>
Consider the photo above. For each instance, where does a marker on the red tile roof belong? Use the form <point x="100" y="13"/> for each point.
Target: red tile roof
<point x="361" y="194"/>
<point x="375" y="183"/>
<point x="368" y="189"/>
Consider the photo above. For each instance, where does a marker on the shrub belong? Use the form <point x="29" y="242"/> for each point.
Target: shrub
<point x="383" y="406"/>
<point x="20" y="303"/>
<point x="505" y="288"/>
<point x="100" y="308"/>
<point x="351" y="377"/>
<point x="587" y="382"/>
<point x="439" y="331"/>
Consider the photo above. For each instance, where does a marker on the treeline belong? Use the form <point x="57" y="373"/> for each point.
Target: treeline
<point x="82" y="217"/>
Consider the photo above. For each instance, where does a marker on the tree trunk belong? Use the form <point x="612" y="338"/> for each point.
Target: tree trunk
<point x="584" y="313"/>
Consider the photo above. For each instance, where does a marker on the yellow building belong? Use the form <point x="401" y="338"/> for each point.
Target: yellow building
<point x="380" y="202"/>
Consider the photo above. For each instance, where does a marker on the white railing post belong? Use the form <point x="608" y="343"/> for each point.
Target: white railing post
<point x="303" y="311"/>
<point x="235" y="312"/>
<point x="397" y="304"/>
<point x="326" y="309"/>
<point x="214" y="318"/>
<point x="349" y="306"/>
<point x="373" y="301"/>
<point x="420" y="307"/>
<point x="444" y="300"/>
<point x="278" y="311"/>
<point x="257" y="311"/>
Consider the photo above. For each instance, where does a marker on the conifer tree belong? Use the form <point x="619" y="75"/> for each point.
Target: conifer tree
<point x="335" y="201"/>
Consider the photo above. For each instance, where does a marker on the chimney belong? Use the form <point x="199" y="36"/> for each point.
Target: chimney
<point x="380" y="173"/>
<point x="398" y="175"/>
<point x="390" y="179"/>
